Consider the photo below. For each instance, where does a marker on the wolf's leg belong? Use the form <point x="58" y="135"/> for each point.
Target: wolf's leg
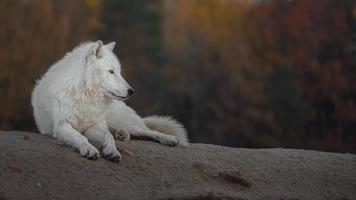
<point x="66" y="133"/>
<point x="99" y="135"/>
<point x="164" y="139"/>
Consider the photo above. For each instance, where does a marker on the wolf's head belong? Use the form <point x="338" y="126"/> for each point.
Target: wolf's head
<point x="103" y="71"/>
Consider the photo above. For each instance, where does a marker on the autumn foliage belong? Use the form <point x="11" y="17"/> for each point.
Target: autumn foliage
<point x="268" y="73"/>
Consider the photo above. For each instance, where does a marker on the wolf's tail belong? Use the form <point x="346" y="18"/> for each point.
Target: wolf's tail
<point x="169" y="126"/>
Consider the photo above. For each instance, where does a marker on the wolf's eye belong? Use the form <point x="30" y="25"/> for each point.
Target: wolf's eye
<point x="111" y="71"/>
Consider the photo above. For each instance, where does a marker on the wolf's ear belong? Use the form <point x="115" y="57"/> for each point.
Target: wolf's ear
<point x="110" y="45"/>
<point x="97" y="49"/>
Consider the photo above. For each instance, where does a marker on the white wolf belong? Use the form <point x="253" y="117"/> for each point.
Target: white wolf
<point x="80" y="99"/>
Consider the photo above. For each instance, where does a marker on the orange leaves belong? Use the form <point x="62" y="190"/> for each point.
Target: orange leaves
<point x="301" y="42"/>
<point x="32" y="36"/>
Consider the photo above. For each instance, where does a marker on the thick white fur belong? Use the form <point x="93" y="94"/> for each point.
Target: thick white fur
<point x="80" y="98"/>
<point x="167" y="125"/>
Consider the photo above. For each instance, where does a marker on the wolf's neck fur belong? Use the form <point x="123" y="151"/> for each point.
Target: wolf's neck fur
<point x="89" y="106"/>
<point x="80" y="80"/>
<point x="82" y="90"/>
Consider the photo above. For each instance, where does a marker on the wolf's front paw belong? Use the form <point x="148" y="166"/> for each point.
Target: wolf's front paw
<point x="111" y="153"/>
<point x="169" y="140"/>
<point x="121" y="135"/>
<point x="89" y="151"/>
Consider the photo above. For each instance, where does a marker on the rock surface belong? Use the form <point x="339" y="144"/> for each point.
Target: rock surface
<point x="35" y="166"/>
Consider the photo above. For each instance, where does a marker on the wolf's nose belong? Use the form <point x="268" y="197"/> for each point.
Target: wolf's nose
<point x="130" y="91"/>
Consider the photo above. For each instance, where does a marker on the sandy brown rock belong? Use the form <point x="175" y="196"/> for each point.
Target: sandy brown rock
<point x="35" y="166"/>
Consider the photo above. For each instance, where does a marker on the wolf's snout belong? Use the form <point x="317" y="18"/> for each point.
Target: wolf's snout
<point x="130" y="91"/>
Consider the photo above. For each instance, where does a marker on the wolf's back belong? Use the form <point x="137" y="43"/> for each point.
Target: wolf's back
<point x="40" y="102"/>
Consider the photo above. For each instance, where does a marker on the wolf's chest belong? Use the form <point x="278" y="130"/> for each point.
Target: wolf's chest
<point x="85" y="115"/>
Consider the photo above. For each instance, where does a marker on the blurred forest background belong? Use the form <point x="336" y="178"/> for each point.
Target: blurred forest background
<point x="262" y="73"/>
